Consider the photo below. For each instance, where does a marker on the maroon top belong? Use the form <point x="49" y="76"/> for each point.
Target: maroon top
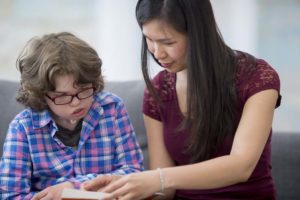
<point x="253" y="76"/>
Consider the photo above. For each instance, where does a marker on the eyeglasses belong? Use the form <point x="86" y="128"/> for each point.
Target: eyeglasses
<point x="66" y="99"/>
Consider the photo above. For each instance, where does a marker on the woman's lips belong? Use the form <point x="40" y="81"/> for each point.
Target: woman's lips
<point x="166" y="65"/>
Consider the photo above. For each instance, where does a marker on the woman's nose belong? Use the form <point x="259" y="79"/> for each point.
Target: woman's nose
<point x="159" y="52"/>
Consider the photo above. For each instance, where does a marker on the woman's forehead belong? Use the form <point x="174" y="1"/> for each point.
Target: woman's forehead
<point x="158" y="29"/>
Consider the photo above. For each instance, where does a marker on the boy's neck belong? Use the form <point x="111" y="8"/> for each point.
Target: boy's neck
<point x="66" y="123"/>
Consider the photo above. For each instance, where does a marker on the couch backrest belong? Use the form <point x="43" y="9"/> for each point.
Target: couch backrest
<point x="285" y="152"/>
<point x="8" y="107"/>
<point x="130" y="91"/>
<point x="132" y="94"/>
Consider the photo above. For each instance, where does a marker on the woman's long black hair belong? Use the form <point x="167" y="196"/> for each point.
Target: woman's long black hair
<point x="211" y="67"/>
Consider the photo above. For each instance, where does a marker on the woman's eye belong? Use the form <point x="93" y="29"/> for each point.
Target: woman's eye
<point x="148" y="41"/>
<point x="169" y="43"/>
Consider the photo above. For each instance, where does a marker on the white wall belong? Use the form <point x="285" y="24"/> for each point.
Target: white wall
<point x="119" y="35"/>
<point x="109" y="26"/>
<point x="237" y="20"/>
<point x="119" y="39"/>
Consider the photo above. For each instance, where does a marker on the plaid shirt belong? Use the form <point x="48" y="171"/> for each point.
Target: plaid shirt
<point x="34" y="158"/>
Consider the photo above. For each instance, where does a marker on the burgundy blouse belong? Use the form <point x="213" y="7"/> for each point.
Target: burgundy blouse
<point x="253" y="75"/>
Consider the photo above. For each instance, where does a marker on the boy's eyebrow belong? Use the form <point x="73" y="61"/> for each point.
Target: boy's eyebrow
<point x="79" y="89"/>
<point x="58" y="92"/>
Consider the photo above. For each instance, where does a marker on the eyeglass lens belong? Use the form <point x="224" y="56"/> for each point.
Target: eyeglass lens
<point x="65" y="99"/>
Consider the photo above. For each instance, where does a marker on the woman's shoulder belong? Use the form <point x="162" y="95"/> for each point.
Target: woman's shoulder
<point x="165" y="82"/>
<point x="254" y="75"/>
<point x="250" y="67"/>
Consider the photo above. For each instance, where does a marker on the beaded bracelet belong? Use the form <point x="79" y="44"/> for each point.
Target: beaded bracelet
<point x="162" y="182"/>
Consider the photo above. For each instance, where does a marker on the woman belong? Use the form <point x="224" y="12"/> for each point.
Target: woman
<point x="208" y="114"/>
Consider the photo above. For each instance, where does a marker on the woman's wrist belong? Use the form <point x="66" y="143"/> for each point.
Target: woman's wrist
<point x="162" y="182"/>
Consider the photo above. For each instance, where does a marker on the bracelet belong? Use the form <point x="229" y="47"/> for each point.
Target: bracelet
<point x="162" y="182"/>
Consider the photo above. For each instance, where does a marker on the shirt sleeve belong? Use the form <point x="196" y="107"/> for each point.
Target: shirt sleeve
<point x="264" y="77"/>
<point x="128" y="157"/>
<point x="15" y="165"/>
<point x="150" y="105"/>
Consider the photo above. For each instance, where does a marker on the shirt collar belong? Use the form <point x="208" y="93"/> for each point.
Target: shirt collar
<point x="42" y="118"/>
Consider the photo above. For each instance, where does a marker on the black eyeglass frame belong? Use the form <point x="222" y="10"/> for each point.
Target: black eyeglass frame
<point x="72" y="96"/>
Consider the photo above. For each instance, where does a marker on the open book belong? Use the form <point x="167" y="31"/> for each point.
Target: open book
<point x="73" y="194"/>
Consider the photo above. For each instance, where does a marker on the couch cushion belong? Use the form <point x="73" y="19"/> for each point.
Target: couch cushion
<point x="8" y="106"/>
<point x="132" y="94"/>
<point x="286" y="164"/>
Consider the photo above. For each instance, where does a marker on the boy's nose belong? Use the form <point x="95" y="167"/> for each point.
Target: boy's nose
<point x="75" y="101"/>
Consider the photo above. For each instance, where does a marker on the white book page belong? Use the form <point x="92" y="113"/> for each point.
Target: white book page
<point x="80" y="194"/>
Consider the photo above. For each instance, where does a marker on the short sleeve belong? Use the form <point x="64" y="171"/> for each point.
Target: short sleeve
<point x="150" y="106"/>
<point x="262" y="77"/>
<point x="164" y="84"/>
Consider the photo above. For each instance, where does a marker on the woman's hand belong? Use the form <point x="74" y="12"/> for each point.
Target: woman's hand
<point x="98" y="183"/>
<point x="133" y="186"/>
<point x="53" y="192"/>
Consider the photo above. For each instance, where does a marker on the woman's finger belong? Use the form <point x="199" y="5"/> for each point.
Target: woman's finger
<point x="122" y="190"/>
<point x="96" y="183"/>
<point x="39" y="195"/>
<point x="108" y="197"/>
<point x="128" y="196"/>
<point x="47" y="197"/>
<point x="114" y="185"/>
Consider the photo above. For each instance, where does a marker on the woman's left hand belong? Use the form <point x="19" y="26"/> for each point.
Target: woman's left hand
<point x="53" y="192"/>
<point x="98" y="183"/>
<point x="132" y="186"/>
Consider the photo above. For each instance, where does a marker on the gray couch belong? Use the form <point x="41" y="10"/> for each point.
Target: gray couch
<point x="285" y="152"/>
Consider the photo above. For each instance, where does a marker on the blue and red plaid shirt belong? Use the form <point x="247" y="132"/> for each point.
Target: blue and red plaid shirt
<point x="34" y="158"/>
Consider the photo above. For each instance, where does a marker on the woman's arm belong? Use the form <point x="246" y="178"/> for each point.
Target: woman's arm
<point x="145" y="183"/>
<point x="158" y="154"/>
<point x="249" y="142"/>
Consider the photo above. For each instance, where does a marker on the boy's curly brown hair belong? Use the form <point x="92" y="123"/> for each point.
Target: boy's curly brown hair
<point x="55" y="54"/>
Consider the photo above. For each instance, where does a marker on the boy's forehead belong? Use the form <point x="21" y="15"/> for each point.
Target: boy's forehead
<point x="64" y="82"/>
